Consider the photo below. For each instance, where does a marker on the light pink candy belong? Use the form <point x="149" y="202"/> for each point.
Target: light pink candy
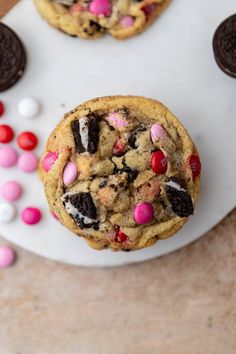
<point x="31" y="216"/>
<point x="157" y="132"/>
<point x="143" y="213"/>
<point x="100" y="7"/>
<point x="8" y="156"/>
<point x="7" y="256"/>
<point x="11" y="191"/>
<point x="116" y="120"/>
<point x="54" y="215"/>
<point x="28" y="162"/>
<point x="126" y="21"/>
<point x="49" y="160"/>
<point x="70" y="173"/>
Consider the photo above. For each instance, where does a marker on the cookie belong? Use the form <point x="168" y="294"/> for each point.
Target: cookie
<point x="12" y="58"/>
<point x="122" y="172"/>
<point x="92" y="19"/>
<point x="224" y="46"/>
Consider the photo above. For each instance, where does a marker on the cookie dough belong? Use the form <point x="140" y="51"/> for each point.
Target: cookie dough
<point x="122" y="172"/>
<point x="92" y="19"/>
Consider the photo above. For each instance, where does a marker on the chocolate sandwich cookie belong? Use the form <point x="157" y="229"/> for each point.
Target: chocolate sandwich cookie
<point x="91" y="19"/>
<point x="224" y="46"/>
<point x="12" y="58"/>
<point x="122" y="172"/>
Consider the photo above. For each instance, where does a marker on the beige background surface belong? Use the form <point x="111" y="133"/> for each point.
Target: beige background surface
<point x="183" y="303"/>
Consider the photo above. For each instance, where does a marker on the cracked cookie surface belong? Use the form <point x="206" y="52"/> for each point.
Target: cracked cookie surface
<point x="90" y="19"/>
<point x="122" y="172"/>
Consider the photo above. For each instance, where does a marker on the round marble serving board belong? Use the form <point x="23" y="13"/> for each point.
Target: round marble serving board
<point x="172" y="62"/>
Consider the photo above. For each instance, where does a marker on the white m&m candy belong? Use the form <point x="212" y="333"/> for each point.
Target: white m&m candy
<point x="7" y="212"/>
<point x="28" y="107"/>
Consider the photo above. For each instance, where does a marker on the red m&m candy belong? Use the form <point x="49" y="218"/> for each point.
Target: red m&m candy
<point x="6" y="134"/>
<point x="27" y="141"/>
<point x="158" y="162"/>
<point x="2" y="108"/>
<point x="120" y="236"/>
<point x="195" y="165"/>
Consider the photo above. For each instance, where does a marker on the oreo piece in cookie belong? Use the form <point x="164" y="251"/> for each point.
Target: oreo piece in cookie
<point x="180" y="200"/>
<point x="82" y="209"/>
<point x="12" y="58"/>
<point x="86" y="134"/>
<point x="224" y="46"/>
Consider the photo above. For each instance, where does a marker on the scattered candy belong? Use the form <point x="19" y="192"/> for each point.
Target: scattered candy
<point x="70" y="173"/>
<point x="143" y="213"/>
<point x="27" y="141"/>
<point x="7" y="256"/>
<point x="6" y="134"/>
<point x="7" y="212"/>
<point x="8" y="156"/>
<point x="28" y="162"/>
<point x="126" y="21"/>
<point x="2" y="108"/>
<point x="158" y="162"/>
<point x="49" y="161"/>
<point x="11" y="191"/>
<point x="157" y="132"/>
<point x="120" y="236"/>
<point x="195" y="165"/>
<point x="31" y="216"/>
<point x="28" y="107"/>
<point x="100" y="7"/>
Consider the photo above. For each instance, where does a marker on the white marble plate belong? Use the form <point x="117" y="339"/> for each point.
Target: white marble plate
<point x="172" y="62"/>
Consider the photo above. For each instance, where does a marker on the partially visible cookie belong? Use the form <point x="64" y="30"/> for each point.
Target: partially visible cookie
<point x="224" y="46"/>
<point x="122" y="172"/>
<point x="92" y="19"/>
<point x="12" y="58"/>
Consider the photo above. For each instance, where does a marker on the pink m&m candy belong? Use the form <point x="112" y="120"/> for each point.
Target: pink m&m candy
<point x="117" y="120"/>
<point x="31" y="216"/>
<point x="126" y="21"/>
<point x="7" y="256"/>
<point x="11" y="191"/>
<point x="70" y="173"/>
<point x="157" y="132"/>
<point x="143" y="213"/>
<point x="100" y="7"/>
<point x="54" y="215"/>
<point x="8" y="156"/>
<point x="28" y="162"/>
<point x="49" y="160"/>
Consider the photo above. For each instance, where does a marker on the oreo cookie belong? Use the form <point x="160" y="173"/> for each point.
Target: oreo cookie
<point x="86" y="134"/>
<point x="12" y="58"/>
<point x="224" y="46"/>
<point x="81" y="208"/>
<point x="180" y="200"/>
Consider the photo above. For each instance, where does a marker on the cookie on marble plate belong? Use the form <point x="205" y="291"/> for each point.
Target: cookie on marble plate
<point x="122" y="172"/>
<point x="92" y="19"/>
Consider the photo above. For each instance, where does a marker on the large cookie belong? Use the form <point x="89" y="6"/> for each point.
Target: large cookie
<point x="122" y="172"/>
<point x="94" y="18"/>
<point x="12" y="58"/>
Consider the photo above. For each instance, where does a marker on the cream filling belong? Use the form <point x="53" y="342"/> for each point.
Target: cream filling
<point x="175" y="186"/>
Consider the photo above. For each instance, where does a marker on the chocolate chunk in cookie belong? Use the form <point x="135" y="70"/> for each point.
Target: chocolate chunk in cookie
<point x="180" y="200"/>
<point x="12" y="58"/>
<point x="86" y="134"/>
<point x="224" y="46"/>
